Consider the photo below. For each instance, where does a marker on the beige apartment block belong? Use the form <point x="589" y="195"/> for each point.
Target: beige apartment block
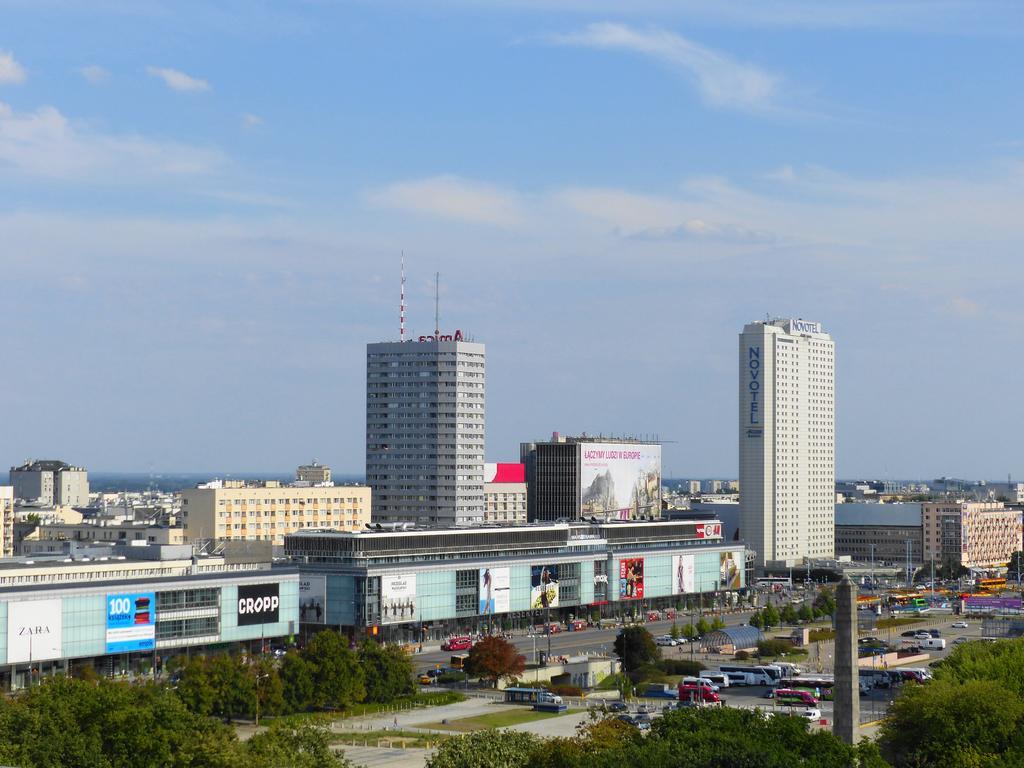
<point x="268" y="511"/>
<point x="977" y="535"/>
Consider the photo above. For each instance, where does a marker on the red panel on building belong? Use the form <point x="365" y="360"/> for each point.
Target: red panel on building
<point x="508" y="473"/>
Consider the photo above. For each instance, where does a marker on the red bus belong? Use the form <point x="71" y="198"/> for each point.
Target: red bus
<point x="793" y="697"/>
<point x="458" y="643"/>
<point x="695" y="693"/>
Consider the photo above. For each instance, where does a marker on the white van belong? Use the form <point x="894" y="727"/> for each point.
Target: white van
<point x="718" y="678"/>
<point x="739" y="678"/>
<point x="934" y="643"/>
<point x="702" y="682"/>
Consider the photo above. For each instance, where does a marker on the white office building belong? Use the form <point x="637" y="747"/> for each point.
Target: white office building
<point x="787" y="441"/>
<point x="425" y="430"/>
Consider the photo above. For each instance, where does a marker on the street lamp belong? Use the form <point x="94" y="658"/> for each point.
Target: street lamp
<point x="258" y="678"/>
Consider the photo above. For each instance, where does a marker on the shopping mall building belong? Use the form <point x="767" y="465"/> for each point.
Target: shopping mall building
<point x="412" y="584"/>
<point x="127" y="609"/>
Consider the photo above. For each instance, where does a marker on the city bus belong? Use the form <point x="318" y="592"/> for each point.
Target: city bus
<point x="789" y="697"/>
<point x="819" y="686"/>
<point x="760" y="675"/>
<point x="990" y="585"/>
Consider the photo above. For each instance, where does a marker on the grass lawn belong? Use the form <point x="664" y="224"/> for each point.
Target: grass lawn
<point x="501" y="719"/>
<point x="898" y="621"/>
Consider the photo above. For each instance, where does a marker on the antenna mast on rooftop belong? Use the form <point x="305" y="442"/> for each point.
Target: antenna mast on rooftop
<point x="401" y="304"/>
<point x="437" y="304"/>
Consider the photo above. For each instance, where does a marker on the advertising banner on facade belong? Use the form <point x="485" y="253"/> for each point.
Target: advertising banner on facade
<point x="684" y="578"/>
<point x="709" y="530"/>
<point x="258" y="604"/>
<point x="620" y="480"/>
<point x="495" y="590"/>
<point x="972" y="603"/>
<point x="543" y="586"/>
<point x="34" y="631"/>
<point x="313" y="599"/>
<point x="730" y="570"/>
<point x="131" y="622"/>
<point x="631" y="579"/>
<point x="398" y="598"/>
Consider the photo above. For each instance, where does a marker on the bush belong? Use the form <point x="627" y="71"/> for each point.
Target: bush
<point x="742" y="655"/>
<point x="451" y="677"/>
<point x="680" y="667"/>
<point x="774" y="647"/>
<point x="648" y="673"/>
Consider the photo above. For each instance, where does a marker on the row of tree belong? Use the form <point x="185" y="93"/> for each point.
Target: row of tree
<point x="326" y="674"/>
<point x="709" y="738"/>
<point x="65" y="723"/>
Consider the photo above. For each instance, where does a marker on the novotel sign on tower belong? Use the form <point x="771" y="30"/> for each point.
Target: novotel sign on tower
<point x="754" y="423"/>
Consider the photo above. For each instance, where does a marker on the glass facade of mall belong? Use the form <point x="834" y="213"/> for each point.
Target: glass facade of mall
<point x="133" y="625"/>
<point x="413" y="585"/>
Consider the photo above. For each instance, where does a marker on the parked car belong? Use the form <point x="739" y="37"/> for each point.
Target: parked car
<point x="618" y="706"/>
<point x="426" y="679"/>
<point x="961" y="640"/>
<point x="811" y="714"/>
<point x="922" y="636"/>
<point x="911" y="633"/>
<point x="959" y="625"/>
<point x="666" y="640"/>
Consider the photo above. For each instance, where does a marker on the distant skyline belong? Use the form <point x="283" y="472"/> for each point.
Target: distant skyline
<point x="202" y="208"/>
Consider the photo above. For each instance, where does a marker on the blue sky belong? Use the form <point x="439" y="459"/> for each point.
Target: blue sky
<point x="202" y="207"/>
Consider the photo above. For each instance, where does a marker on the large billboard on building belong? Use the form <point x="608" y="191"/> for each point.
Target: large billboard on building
<point x="543" y="586"/>
<point x="313" y="599"/>
<point x="620" y="480"/>
<point x="631" y="578"/>
<point x="397" y="598"/>
<point x="495" y="590"/>
<point x="730" y="571"/>
<point x="986" y="603"/>
<point x="131" y="622"/>
<point x="258" y="604"/>
<point x="684" y="575"/>
<point x="33" y="631"/>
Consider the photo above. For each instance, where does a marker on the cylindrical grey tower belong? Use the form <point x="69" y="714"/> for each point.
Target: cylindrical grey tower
<point x="846" y="702"/>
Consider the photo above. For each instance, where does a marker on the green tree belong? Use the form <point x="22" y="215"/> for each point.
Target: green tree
<point x="971" y="725"/>
<point x="717" y="623"/>
<point x="756" y="620"/>
<point x="690" y="632"/>
<point x="635" y="647"/>
<point x="702" y="626"/>
<point x="388" y="671"/>
<point x="675" y="632"/>
<point x="788" y="614"/>
<point x="769" y="617"/>
<point x="293" y="746"/>
<point x="485" y="749"/>
<point x="825" y="601"/>
<point x="298" y="683"/>
<point x="269" y="688"/>
<point x="336" y="670"/>
<point x="195" y="688"/>
<point x="805" y="613"/>
<point x="495" y="658"/>
<point x="234" y="686"/>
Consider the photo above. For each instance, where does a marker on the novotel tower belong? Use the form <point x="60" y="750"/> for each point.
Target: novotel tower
<point x="425" y="430"/>
<point x="787" y="441"/>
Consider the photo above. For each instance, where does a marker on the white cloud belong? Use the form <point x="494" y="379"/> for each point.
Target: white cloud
<point x="11" y="72"/>
<point x="452" y="197"/>
<point x="250" y="120"/>
<point x="721" y="80"/>
<point x="45" y="143"/>
<point x="177" y="80"/>
<point x="94" y="73"/>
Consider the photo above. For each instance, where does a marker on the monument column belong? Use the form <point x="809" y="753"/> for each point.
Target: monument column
<point x="846" y="694"/>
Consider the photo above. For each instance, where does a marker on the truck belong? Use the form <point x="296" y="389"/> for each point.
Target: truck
<point x="698" y="694"/>
<point x="659" y="691"/>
